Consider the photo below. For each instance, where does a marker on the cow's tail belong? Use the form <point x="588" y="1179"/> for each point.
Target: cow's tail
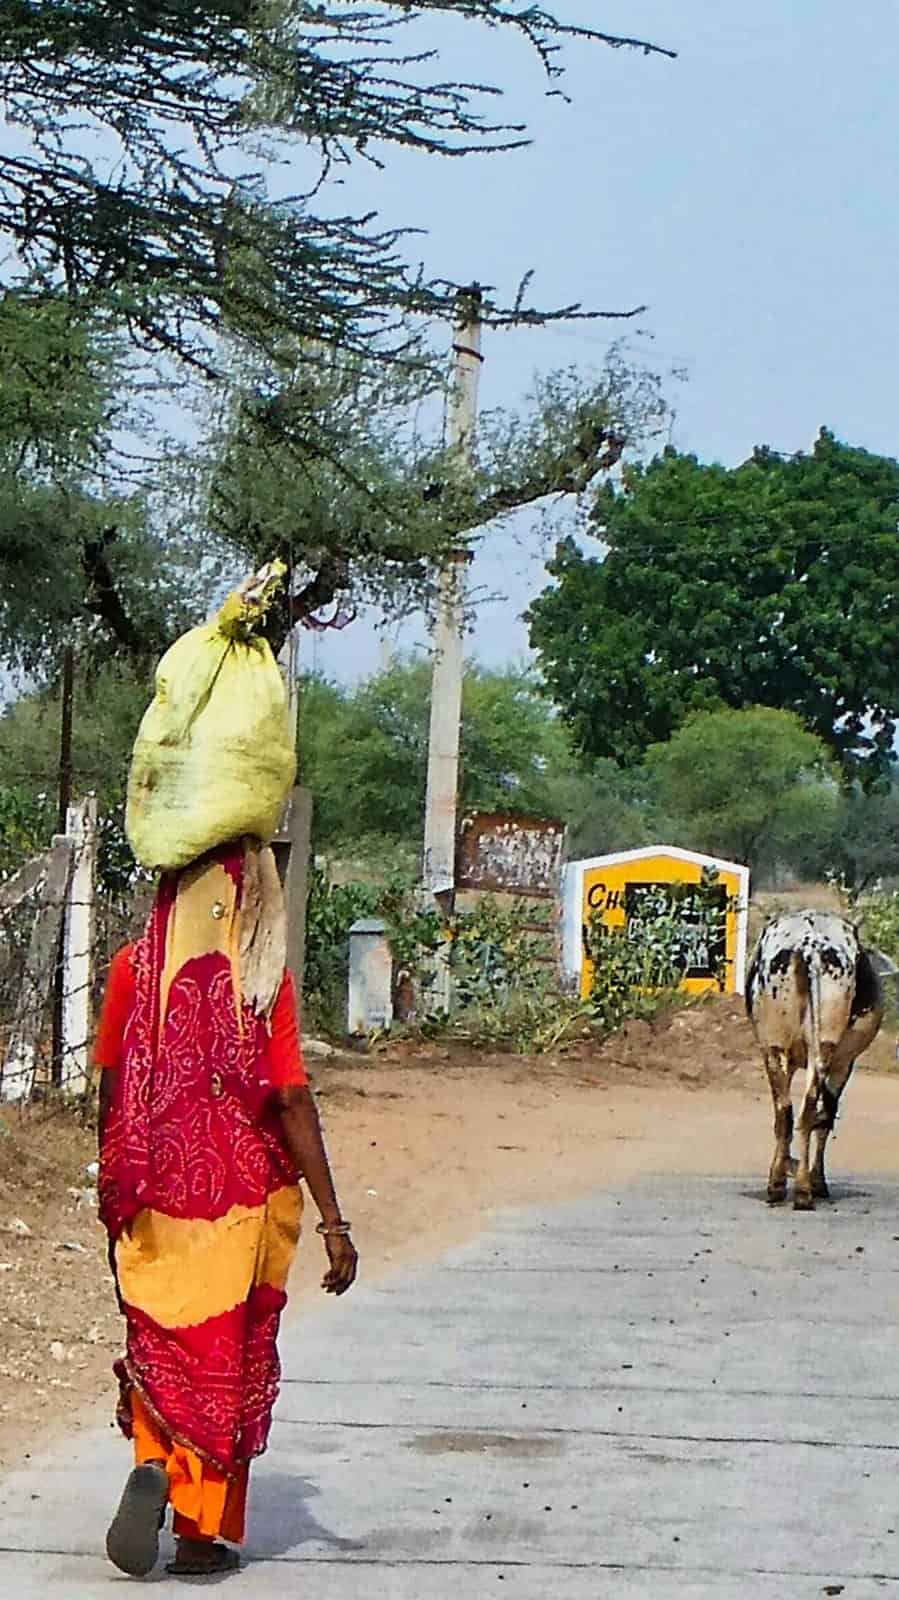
<point x="807" y="971"/>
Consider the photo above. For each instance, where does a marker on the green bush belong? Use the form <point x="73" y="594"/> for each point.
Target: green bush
<point x="632" y="978"/>
<point x="494" y="955"/>
<point x="331" y="910"/>
<point x="507" y="993"/>
<point x="525" y="1023"/>
<point x="27" y="824"/>
<point x="881" y="924"/>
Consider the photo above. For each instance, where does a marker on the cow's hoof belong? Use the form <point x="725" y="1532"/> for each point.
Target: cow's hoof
<point x="820" y="1189"/>
<point x="803" y="1200"/>
<point x="777" y="1194"/>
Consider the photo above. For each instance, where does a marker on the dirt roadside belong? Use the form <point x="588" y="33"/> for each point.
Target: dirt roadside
<point x="425" y="1145"/>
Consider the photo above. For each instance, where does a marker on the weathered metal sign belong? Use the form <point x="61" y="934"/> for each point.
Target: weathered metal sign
<point x="625" y="892"/>
<point x="502" y="854"/>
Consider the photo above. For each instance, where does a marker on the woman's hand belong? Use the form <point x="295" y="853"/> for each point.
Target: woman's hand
<point x="344" y="1263"/>
<point x="303" y="1134"/>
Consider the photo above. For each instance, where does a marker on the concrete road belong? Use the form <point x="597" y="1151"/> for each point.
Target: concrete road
<point x="669" y="1392"/>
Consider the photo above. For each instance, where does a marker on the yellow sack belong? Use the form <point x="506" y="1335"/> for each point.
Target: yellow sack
<point x="215" y="754"/>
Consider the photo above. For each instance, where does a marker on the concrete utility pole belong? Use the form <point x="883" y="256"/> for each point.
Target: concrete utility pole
<point x="64" y="802"/>
<point x="439" y="876"/>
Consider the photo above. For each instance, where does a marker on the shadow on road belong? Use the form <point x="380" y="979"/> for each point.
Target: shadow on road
<point x="282" y="1520"/>
<point x="841" y="1194"/>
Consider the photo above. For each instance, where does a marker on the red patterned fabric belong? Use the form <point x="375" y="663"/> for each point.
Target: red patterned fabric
<point x="282" y="1066"/>
<point x="231" y="1361"/>
<point x="192" y="1130"/>
<point x="191" y="1133"/>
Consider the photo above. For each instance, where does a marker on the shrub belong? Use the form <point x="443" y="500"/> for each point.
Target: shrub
<point x="495" y="955"/>
<point x="331" y="910"/>
<point x="507" y="992"/>
<point x="632" y="978"/>
<point x="881" y="924"/>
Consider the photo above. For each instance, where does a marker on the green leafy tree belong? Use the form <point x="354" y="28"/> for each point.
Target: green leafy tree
<point x="865" y="844"/>
<point x="607" y="808"/>
<point x="109" y="704"/>
<point x="27" y="821"/>
<point x="753" y="785"/>
<point x="364" y="752"/>
<point x="144" y="136"/>
<point x="774" y="583"/>
<point x="110" y="700"/>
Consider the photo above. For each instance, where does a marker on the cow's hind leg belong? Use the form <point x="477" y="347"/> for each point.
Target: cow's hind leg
<point x="856" y="1038"/>
<point x="810" y="1120"/>
<point x="779" y="1068"/>
<point x="831" y="1089"/>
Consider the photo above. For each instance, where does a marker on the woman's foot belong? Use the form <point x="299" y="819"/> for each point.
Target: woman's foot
<point x="132" y="1543"/>
<point x="202" y="1558"/>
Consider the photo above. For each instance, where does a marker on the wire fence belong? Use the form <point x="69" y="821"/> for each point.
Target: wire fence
<point x="59" y="930"/>
<point x="65" y="910"/>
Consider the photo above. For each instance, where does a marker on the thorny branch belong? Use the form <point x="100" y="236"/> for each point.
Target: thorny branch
<point x="195" y="103"/>
<point x="103" y="597"/>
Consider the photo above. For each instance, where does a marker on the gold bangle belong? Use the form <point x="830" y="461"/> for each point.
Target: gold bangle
<point x="340" y="1229"/>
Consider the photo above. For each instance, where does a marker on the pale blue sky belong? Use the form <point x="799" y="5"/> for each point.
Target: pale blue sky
<point x="742" y="192"/>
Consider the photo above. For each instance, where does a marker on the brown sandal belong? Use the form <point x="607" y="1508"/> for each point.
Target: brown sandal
<point x="132" y="1542"/>
<point x="218" y="1560"/>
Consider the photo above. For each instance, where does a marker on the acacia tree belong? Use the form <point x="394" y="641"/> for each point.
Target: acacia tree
<point x="137" y="177"/>
<point x="144" y="136"/>
<point x="323" y="467"/>
<point x="326" y="467"/>
<point x="79" y="560"/>
<point x="775" y="583"/>
<point x="865" y="846"/>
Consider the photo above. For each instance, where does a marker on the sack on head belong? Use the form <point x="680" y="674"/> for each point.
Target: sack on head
<point x="215" y="755"/>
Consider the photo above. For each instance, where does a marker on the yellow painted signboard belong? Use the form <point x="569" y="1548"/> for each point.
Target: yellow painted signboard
<point x="630" y="890"/>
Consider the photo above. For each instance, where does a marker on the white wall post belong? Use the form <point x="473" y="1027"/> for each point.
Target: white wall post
<point x="77" y="948"/>
<point x="47" y="877"/>
<point x="370" y="1000"/>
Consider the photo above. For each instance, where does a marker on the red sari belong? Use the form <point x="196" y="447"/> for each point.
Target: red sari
<point x="198" y="1191"/>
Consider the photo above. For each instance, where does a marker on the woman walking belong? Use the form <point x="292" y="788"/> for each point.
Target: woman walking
<point x="206" y="1126"/>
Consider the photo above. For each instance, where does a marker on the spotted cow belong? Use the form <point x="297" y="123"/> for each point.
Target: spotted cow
<point x="815" y="1002"/>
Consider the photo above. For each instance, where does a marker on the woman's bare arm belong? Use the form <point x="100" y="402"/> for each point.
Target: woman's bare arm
<point x="302" y="1130"/>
